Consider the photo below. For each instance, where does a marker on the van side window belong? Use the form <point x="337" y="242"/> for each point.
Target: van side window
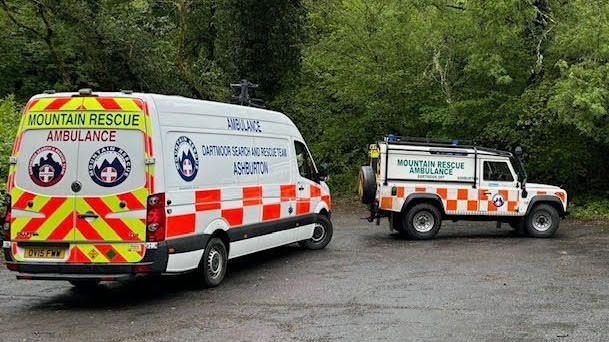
<point x="303" y="159"/>
<point x="497" y="171"/>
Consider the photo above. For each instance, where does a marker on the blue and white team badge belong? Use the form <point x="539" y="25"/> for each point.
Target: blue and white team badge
<point x="186" y="158"/>
<point x="47" y="166"/>
<point x="109" y="166"/>
<point x="498" y="200"/>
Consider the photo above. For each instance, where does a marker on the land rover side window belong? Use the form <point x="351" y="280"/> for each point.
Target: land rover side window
<point x="305" y="164"/>
<point x="497" y="172"/>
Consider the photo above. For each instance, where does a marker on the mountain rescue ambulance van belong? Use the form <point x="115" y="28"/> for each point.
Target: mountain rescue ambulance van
<point x="105" y="186"/>
<point x="418" y="183"/>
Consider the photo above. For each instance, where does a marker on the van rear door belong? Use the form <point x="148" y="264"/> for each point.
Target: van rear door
<point x="40" y="181"/>
<point x="114" y="178"/>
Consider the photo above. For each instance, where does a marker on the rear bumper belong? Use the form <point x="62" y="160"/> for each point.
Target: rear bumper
<point x="154" y="262"/>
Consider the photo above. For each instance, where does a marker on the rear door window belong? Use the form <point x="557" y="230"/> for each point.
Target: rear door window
<point x="113" y="166"/>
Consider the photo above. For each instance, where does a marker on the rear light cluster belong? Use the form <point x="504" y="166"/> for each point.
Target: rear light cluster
<point x="6" y="221"/>
<point x="155" y="218"/>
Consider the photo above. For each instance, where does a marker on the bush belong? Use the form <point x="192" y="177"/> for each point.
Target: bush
<point x="590" y="208"/>
<point x="9" y="121"/>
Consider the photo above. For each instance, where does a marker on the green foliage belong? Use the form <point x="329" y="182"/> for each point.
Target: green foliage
<point x="9" y="121"/>
<point x="502" y="73"/>
<point x="590" y="208"/>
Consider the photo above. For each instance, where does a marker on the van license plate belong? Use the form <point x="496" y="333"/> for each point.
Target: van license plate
<point x="45" y="252"/>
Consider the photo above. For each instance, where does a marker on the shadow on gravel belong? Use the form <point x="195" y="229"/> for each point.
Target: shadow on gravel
<point x="153" y="290"/>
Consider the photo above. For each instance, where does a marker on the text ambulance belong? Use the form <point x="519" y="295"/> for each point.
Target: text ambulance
<point x="418" y="183"/>
<point x="109" y="185"/>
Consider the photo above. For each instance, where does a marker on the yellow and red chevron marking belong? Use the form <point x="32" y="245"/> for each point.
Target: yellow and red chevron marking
<point x="112" y="229"/>
<point x="86" y="104"/>
<point x="54" y="222"/>
<point x="113" y="253"/>
<point x="86" y="253"/>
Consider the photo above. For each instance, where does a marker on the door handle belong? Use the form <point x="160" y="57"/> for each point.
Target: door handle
<point x="88" y="214"/>
<point x="488" y="193"/>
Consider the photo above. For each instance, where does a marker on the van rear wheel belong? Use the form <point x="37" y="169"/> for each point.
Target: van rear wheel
<point x="542" y="221"/>
<point x="214" y="262"/>
<point x="322" y="234"/>
<point x="422" y="222"/>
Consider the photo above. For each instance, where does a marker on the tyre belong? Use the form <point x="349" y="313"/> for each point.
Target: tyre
<point x="213" y="264"/>
<point x="85" y="284"/>
<point x="322" y="234"/>
<point x="366" y="186"/>
<point x="422" y="222"/>
<point x="396" y="220"/>
<point x="542" y="221"/>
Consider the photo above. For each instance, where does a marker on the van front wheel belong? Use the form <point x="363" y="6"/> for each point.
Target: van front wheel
<point x="212" y="267"/>
<point x="322" y="234"/>
<point x="422" y="222"/>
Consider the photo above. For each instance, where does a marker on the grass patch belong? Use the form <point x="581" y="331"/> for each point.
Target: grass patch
<point x="590" y="208"/>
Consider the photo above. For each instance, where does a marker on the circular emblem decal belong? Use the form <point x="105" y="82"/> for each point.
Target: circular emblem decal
<point x="109" y="166"/>
<point x="47" y="166"/>
<point x="186" y="158"/>
<point x="498" y="200"/>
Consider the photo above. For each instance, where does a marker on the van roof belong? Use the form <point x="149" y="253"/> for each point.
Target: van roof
<point x="181" y="104"/>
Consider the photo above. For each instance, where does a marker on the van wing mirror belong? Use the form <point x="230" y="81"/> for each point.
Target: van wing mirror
<point x="322" y="172"/>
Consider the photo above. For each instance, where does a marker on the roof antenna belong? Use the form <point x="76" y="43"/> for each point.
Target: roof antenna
<point x="245" y="89"/>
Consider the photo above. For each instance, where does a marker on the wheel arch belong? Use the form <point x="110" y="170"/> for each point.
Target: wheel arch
<point x="322" y="209"/>
<point x="414" y="199"/>
<point x="554" y="201"/>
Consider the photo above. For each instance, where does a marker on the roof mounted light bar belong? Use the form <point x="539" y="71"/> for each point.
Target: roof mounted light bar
<point x="398" y="140"/>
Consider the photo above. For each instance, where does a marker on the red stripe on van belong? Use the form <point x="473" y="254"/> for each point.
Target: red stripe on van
<point x="288" y="192"/>
<point x="303" y="207"/>
<point x="271" y="212"/>
<point x="252" y="195"/>
<point x="208" y="199"/>
<point x="328" y="201"/>
<point x="30" y="105"/>
<point x="234" y="217"/>
<point x="21" y="203"/>
<point x="180" y="225"/>
<point x="315" y="191"/>
<point x="117" y="225"/>
<point x="62" y="229"/>
<point x="88" y="231"/>
<point x="131" y="201"/>
<point x="56" y="104"/>
<point x="35" y="223"/>
<point x="76" y="256"/>
<point x="108" y="103"/>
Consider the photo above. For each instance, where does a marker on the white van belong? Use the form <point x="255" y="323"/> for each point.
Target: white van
<point x="417" y="183"/>
<point x="104" y="186"/>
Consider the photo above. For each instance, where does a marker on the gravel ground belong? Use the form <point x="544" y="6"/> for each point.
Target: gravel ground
<point x="473" y="282"/>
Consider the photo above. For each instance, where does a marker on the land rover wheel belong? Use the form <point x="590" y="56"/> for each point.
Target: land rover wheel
<point x="542" y="221"/>
<point x="422" y="222"/>
<point x="322" y="234"/>
<point x="366" y="186"/>
<point x="212" y="267"/>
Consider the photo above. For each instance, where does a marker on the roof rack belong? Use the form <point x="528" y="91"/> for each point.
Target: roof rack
<point x="418" y="141"/>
